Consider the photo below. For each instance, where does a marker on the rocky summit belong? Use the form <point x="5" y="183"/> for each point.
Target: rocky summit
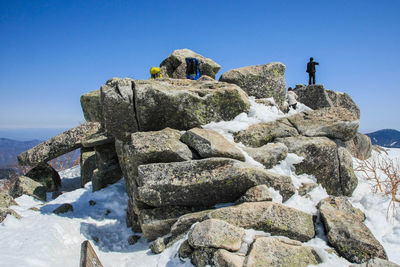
<point x="210" y="187"/>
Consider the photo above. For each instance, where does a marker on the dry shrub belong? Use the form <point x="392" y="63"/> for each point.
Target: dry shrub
<point x="384" y="173"/>
<point x="66" y="161"/>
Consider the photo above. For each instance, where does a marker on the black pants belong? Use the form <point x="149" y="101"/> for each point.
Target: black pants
<point x="311" y="75"/>
<point x="293" y="106"/>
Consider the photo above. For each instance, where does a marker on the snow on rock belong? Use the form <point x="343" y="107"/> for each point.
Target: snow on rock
<point x="42" y="238"/>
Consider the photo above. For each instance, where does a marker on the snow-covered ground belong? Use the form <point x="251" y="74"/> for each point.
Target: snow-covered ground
<point x="42" y="238"/>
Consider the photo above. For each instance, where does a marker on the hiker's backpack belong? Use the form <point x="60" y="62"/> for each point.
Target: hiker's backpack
<point x="192" y="68"/>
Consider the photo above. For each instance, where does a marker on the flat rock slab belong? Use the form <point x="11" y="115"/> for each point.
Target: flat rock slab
<point x="270" y="217"/>
<point x="261" y="134"/>
<point x="209" y="143"/>
<point x="334" y="122"/>
<point x="346" y="231"/>
<point x="261" y="81"/>
<point x="58" y="145"/>
<point x="256" y="194"/>
<point x="216" y="233"/>
<point x="274" y="251"/>
<point x="174" y="66"/>
<point x="268" y="155"/>
<point x="149" y="147"/>
<point x="186" y="104"/>
<point x="203" y="182"/>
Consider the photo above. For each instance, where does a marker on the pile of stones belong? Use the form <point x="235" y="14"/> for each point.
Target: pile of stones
<point x="149" y="132"/>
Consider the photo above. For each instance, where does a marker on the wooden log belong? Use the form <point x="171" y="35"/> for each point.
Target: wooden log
<point x="88" y="256"/>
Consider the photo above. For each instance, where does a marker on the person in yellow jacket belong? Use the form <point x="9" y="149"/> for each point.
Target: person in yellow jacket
<point x="155" y="73"/>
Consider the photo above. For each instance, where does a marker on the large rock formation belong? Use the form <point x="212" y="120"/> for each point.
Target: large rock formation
<point x="261" y="81"/>
<point x="185" y="104"/>
<point x="203" y="182"/>
<point x="174" y="66"/>
<point x="316" y="97"/>
<point x="209" y="143"/>
<point x="333" y="170"/>
<point x="178" y="174"/>
<point x="336" y="122"/>
<point x="346" y="231"/>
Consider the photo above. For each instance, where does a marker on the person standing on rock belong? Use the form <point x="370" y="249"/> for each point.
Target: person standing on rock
<point x="311" y="70"/>
<point x="291" y="98"/>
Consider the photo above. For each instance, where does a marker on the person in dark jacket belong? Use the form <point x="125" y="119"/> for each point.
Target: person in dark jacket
<point x="311" y="70"/>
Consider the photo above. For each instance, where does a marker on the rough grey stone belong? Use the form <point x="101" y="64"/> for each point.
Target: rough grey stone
<point x="4" y="212"/>
<point x="261" y="134"/>
<point x="348" y="180"/>
<point x="157" y="222"/>
<point x="261" y="81"/>
<point x="209" y="143"/>
<point x="98" y="139"/>
<point x="108" y="169"/>
<point x="202" y="257"/>
<point x="256" y="194"/>
<point x="26" y="186"/>
<point x="88" y="165"/>
<point x="334" y="122"/>
<point x="321" y="159"/>
<point x="360" y="146"/>
<point x="150" y="147"/>
<point x="344" y="100"/>
<point x="216" y="233"/>
<point x="275" y="251"/>
<point x="316" y="97"/>
<point x="185" y="104"/>
<point x="107" y="175"/>
<point x="158" y="245"/>
<point x="46" y="175"/>
<point x="6" y="200"/>
<point x="346" y="231"/>
<point x="271" y="217"/>
<point x="118" y="103"/>
<point x="204" y="182"/>
<point x="268" y="155"/>
<point x="224" y="258"/>
<point x="174" y="66"/>
<point x="306" y="188"/>
<point x="58" y="145"/>
<point x="185" y="250"/>
<point x="64" y="208"/>
<point x="91" y="106"/>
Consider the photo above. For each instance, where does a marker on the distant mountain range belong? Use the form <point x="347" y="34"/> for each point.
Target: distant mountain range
<point x="10" y="149"/>
<point x="386" y="138"/>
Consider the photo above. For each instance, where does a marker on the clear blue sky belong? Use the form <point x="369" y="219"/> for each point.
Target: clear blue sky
<point x="52" y="52"/>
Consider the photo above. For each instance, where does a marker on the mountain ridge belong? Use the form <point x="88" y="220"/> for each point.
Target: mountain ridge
<point x="386" y="138"/>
